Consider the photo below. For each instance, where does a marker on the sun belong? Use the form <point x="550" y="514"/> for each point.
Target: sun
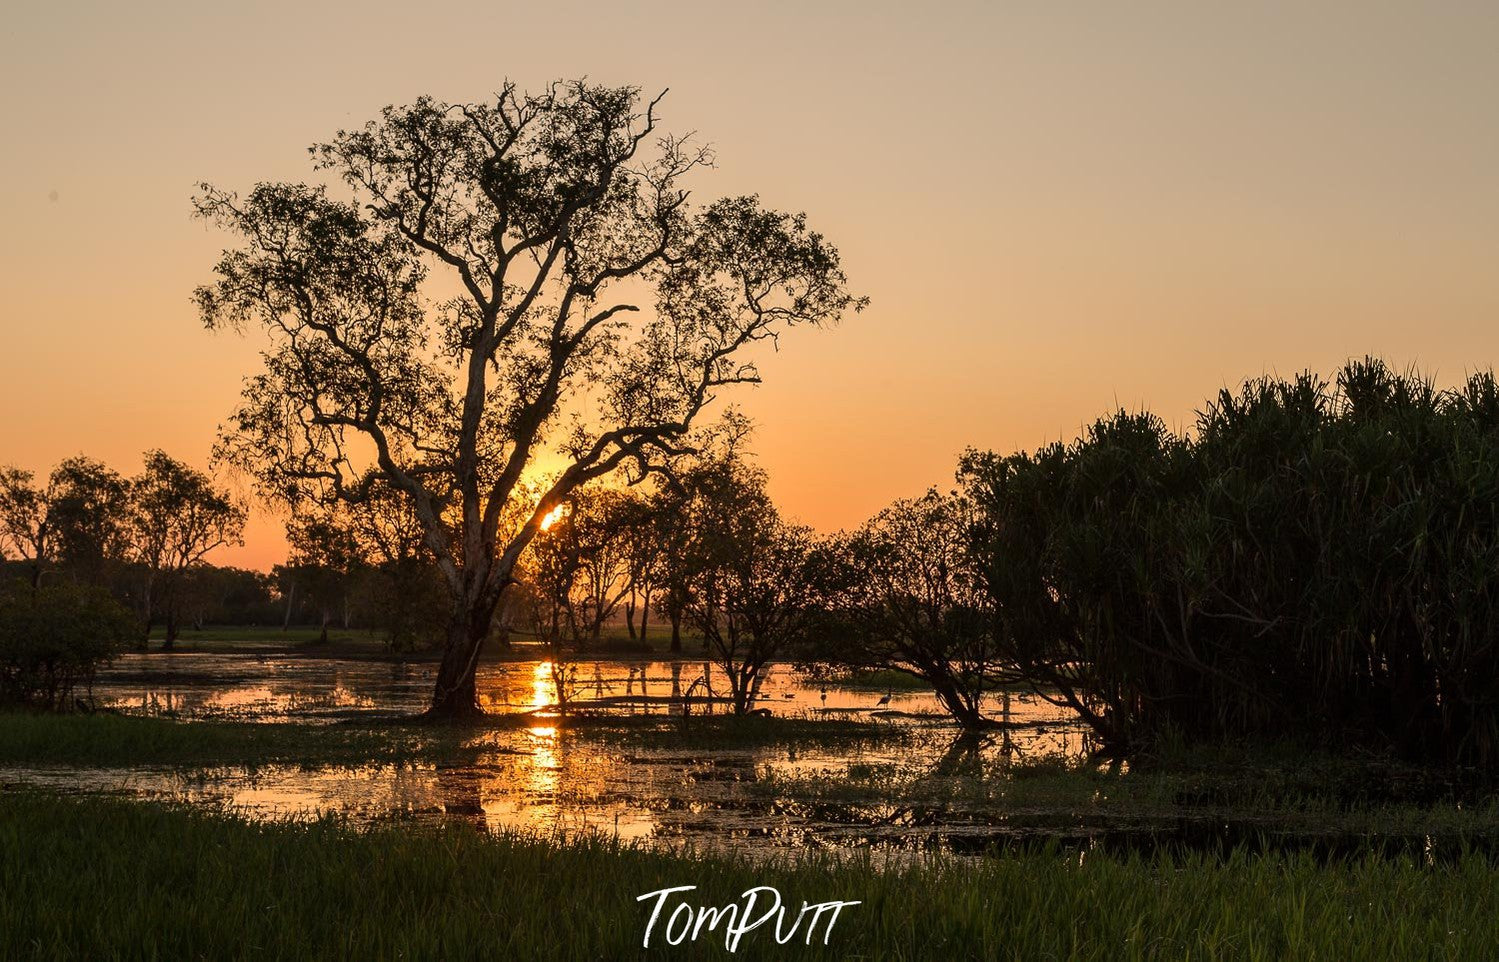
<point x="553" y="516"/>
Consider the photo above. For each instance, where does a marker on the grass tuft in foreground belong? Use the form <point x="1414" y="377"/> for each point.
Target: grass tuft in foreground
<point x="100" y="878"/>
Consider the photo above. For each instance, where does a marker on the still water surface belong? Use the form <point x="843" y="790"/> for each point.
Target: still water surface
<point x="548" y="777"/>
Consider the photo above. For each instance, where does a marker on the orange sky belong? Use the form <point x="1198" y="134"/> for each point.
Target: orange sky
<point x="1054" y="212"/>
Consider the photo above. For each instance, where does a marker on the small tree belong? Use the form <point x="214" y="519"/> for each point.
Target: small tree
<point x="25" y="529"/>
<point x="911" y="599"/>
<point x="176" y="518"/>
<point x="324" y="563"/>
<point x="599" y="524"/>
<point x="53" y="638"/>
<point x="644" y="561"/>
<point x="408" y="594"/>
<point x="753" y="579"/>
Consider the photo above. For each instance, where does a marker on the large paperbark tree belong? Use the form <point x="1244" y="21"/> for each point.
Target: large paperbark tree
<point x="506" y="283"/>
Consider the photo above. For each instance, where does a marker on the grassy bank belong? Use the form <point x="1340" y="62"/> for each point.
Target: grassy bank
<point x="98" y="878"/>
<point x="122" y="740"/>
<point x="106" y="739"/>
<point x="613" y="642"/>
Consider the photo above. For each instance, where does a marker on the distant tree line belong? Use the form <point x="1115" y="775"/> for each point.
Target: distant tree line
<point x="1315" y="562"/>
<point x="1318" y="562"/>
<point x="89" y="546"/>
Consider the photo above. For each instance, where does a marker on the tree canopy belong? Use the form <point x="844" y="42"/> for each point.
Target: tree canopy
<point x="489" y="286"/>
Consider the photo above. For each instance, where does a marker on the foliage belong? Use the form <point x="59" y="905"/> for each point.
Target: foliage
<point x="752" y="579"/>
<point x="53" y="638"/>
<point x="554" y="217"/>
<point x="175" y="517"/>
<point x="909" y="597"/>
<point x="1317" y="561"/>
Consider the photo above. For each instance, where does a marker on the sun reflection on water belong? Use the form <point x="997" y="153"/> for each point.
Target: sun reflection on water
<point x="543" y="774"/>
<point x="543" y="686"/>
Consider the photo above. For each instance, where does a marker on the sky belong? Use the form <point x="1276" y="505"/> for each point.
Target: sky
<point x="1056" y="208"/>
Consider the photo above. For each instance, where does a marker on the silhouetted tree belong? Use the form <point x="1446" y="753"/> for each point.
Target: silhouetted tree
<point x="550" y="214"/>
<point x="912" y="599"/>
<point x="753" y="580"/>
<point x="600" y="526"/>
<point x="323" y="562"/>
<point x="211" y="594"/>
<point x="1314" y="562"/>
<point x="407" y="592"/>
<point x="25" y="529"/>
<point x="648" y="532"/>
<point x="551" y="571"/>
<point x="176" y="518"/>
<point x="87" y="514"/>
<point x="52" y="640"/>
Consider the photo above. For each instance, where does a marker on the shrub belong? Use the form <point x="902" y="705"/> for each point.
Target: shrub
<point x="54" y="638"/>
<point x="1314" y="561"/>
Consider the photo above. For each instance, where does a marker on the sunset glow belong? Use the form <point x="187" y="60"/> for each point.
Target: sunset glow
<point x="1126" y="206"/>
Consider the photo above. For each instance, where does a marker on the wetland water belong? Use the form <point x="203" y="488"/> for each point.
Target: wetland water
<point x="638" y="781"/>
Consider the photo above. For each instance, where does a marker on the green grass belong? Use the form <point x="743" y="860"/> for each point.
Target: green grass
<point x="91" y="878"/>
<point x="889" y="679"/>
<point x="111" y="740"/>
<point x="614" y="641"/>
<point x="262" y="634"/>
<point x="120" y="740"/>
<point x="876" y="679"/>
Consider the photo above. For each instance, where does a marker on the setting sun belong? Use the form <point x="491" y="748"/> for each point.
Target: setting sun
<point x="553" y="516"/>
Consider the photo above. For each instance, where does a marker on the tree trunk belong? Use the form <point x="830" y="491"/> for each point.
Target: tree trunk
<point x="965" y="712"/>
<point x="455" y="697"/>
<point x="291" y="598"/>
<point x="630" y="614"/>
<point x="171" y="639"/>
<point x="146" y="608"/>
<point x="676" y="632"/>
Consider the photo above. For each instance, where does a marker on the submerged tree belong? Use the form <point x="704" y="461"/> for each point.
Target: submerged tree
<point x="554" y="219"/>
<point x="754" y="580"/>
<point x="1314" y="563"/>
<point x="52" y="640"/>
<point x="912" y="599"/>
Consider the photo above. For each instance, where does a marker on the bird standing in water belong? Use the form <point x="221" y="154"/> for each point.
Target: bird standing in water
<point x="885" y="700"/>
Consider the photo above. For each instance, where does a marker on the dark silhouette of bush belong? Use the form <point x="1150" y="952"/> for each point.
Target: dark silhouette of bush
<point x="53" y="638"/>
<point x="1315" y="561"/>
